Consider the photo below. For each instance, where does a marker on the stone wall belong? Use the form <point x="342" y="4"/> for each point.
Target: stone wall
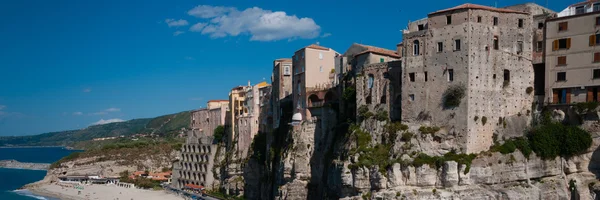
<point x="476" y="66"/>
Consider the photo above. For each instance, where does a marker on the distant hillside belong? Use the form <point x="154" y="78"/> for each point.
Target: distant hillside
<point x="163" y="126"/>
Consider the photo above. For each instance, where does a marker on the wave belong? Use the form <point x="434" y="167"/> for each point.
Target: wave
<point x="25" y="192"/>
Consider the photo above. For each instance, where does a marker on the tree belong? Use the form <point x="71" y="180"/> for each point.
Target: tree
<point x="218" y="133"/>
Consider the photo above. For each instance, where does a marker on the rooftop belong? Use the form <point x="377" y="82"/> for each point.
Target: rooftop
<point x="469" y="6"/>
<point x="314" y="46"/>
<point x="378" y="50"/>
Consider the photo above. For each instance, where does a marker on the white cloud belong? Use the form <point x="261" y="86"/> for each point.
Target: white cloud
<point x="113" y="110"/>
<point x="197" y="27"/>
<point x="77" y="113"/>
<point x="261" y="25"/>
<point x="108" y="121"/>
<point x="326" y="35"/>
<point x="176" y="33"/>
<point x="173" y="22"/>
<point x="205" y="11"/>
<point x="86" y="90"/>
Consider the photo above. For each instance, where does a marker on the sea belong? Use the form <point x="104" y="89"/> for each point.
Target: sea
<point x="13" y="179"/>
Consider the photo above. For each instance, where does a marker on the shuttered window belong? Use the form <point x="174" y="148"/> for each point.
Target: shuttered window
<point x="561" y="44"/>
<point x="597" y="57"/>
<point x="596" y="74"/>
<point x="563" y="26"/>
<point x="562" y="60"/>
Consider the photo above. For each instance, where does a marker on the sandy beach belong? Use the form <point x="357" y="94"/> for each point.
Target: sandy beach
<point x="101" y="192"/>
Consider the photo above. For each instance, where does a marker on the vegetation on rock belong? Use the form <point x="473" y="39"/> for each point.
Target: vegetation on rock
<point x="453" y="96"/>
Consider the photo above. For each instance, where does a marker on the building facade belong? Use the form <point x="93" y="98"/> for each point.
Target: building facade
<point x="573" y="55"/>
<point x="314" y="70"/>
<point x="281" y="81"/>
<point x="194" y="164"/>
<point x="249" y="121"/>
<point x="480" y="51"/>
<point x="237" y="97"/>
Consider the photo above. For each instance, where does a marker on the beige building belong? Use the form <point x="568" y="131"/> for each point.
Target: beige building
<point x="281" y="80"/>
<point x="573" y="55"/>
<point x="248" y="123"/>
<point x="314" y="70"/>
<point x="487" y="51"/>
<point x="237" y="97"/>
<point x="207" y="119"/>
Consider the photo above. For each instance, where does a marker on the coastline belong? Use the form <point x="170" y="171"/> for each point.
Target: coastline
<point x="98" y="192"/>
<point x="14" y="164"/>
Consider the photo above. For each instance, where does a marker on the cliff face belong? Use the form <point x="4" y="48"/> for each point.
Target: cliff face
<point x="111" y="162"/>
<point x="319" y="160"/>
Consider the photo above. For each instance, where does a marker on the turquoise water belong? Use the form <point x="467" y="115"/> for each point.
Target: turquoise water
<point x="13" y="179"/>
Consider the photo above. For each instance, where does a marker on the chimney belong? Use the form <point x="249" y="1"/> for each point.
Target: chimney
<point x="399" y="48"/>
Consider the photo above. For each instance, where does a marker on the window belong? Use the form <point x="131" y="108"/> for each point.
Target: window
<point x="457" y="45"/>
<point x="596" y="7"/>
<point x="597" y="57"/>
<point x="539" y="46"/>
<point x="494" y="76"/>
<point x="421" y="27"/>
<point x="479" y="19"/>
<point x="496" y="43"/>
<point x="579" y="10"/>
<point x="416" y="47"/>
<point x="320" y="56"/>
<point x="597" y="41"/>
<point x="561" y="76"/>
<point x="506" y="75"/>
<point x="594" y="40"/>
<point x="411" y="77"/>
<point x="286" y="70"/>
<point x="562" y="60"/>
<point x="519" y="47"/>
<point x="597" y="21"/>
<point x="450" y="75"/>
<point x="561" y="44"/>
<point x="381" y="60"/>
<point x="370" y="81"/>
<point x="520" y="23"/>
<point x="440" y="47"/>
<point x="320" y="68"/>
<point x="541" y="25"/>
<point x="596" y="74"/>
<point x="425" y="76"/>
<point x="495" y="21"/>
<point x="411" y="97"/>
<point x="563" y="26"/>
<point x="448" y="19"/>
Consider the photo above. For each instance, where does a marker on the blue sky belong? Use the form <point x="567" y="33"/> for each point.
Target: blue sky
<point x="67" y="64"/>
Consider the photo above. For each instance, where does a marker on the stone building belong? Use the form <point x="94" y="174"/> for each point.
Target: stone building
<point x="281" y="81"/>
<point x="540" y="15"/>
<point x="379" y="88"/>
<point x="313" y="69"/>
<point x="573" y="55"/>
<point x="195" y="163"/>
<point x="483" y="53"/>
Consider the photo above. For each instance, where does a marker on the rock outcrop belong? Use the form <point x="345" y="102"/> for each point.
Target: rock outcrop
<point x="13" y="164"/>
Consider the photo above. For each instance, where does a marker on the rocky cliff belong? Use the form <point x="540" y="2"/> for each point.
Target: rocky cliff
<point x="326" y="159"/>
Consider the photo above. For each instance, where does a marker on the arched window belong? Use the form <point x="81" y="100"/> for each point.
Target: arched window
<point x="416" y="47"/>
<point x="370" y="81"/>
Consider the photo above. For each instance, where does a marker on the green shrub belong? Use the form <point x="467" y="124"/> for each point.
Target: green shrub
<point x="483" y="120"/>
<point x="381" y="115"/>
<point x="394" y="127"/>
<point x="506" y="148"/>
<point x="364" y="113"/>
<point x="453" y="96"/>
<point x="529" y="90"/>
<point x="585" y="107"/>
<point x="406" y="136"/>
<point x="429" y="129"/>
<point x="555" y="139"/>
<point x="218" y="133"/>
